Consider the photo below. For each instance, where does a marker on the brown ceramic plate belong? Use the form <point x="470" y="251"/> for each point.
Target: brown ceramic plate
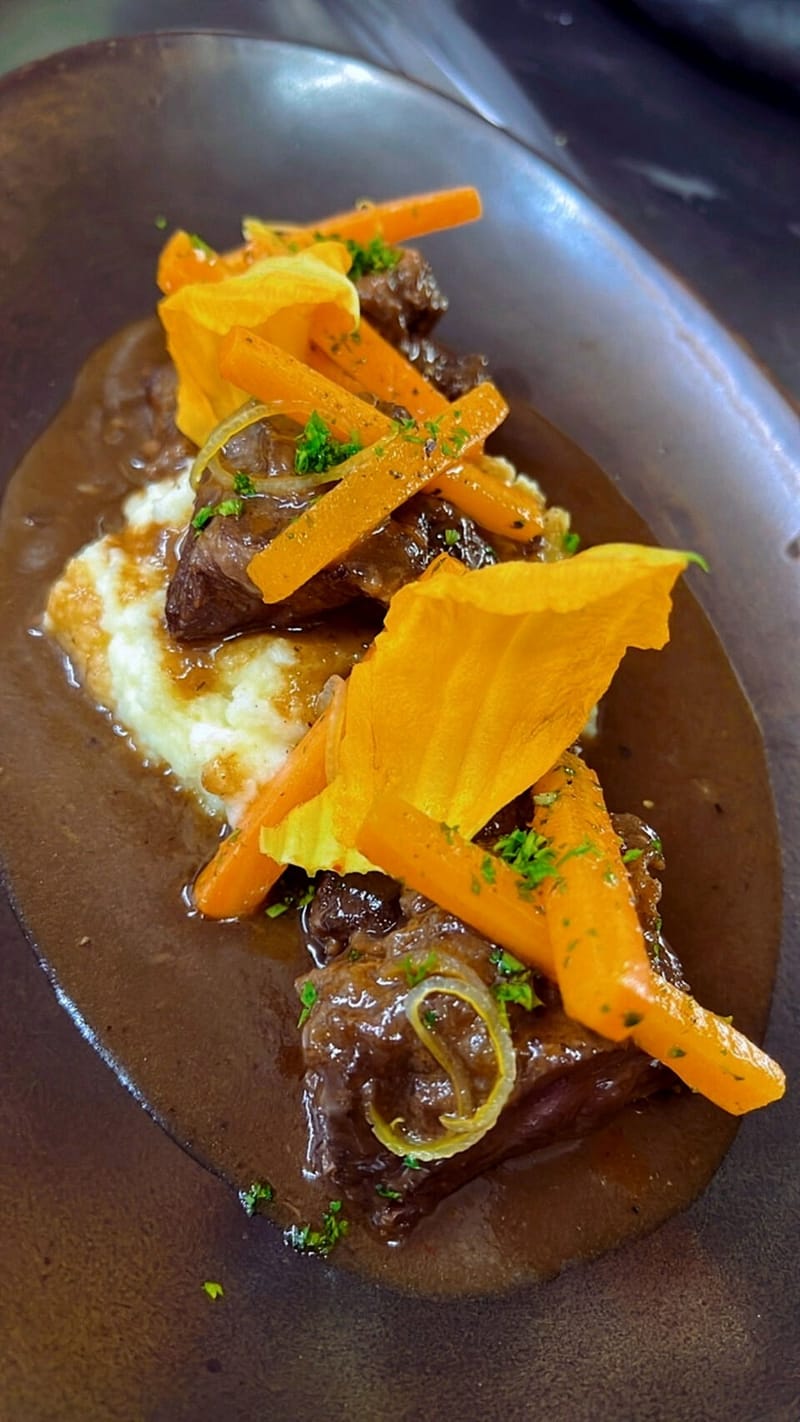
<point x="111" y="1230"/>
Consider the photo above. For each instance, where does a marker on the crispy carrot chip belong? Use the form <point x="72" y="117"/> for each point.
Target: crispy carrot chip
<point x="275" y="297"/>
<point x="475" y="686"/>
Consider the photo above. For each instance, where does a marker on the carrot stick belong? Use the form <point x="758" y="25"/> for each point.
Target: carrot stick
<point x="372" y="485"/>
<point x="184" y="259"/>
<point x="704" y="1050"/>
<point x="403" y="218"/>
<point x="591" y="915"/>
<point x="269" y="373"/>
<point x="379" y="367"/>
<point x="460" y="876"/>
<point x="239" y="876"/>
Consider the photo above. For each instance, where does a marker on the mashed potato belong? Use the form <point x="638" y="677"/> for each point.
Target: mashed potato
<point x="218" y="719"/>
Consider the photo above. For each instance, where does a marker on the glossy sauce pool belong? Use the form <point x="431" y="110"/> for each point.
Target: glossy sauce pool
<point x="199" y="1019"/>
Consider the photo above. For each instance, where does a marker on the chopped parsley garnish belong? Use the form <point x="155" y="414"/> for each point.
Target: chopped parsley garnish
<point x="530" y="855"/>
<point x="243" y="484"/>
<point x="318" y="448"/>
<point x="452" y="537"/>
<point x="449" y="831"/>
<point x="200" y="245"/>
<point x="227" y="508"/>
<point x="656" y="845"/>
<point x="308" y="995"/>
<point x="631" y="855"/>
<point x="411" y="1162"/>
<point x="387" y="1192"/>
<point x="489" y="869"/>
<point x="676" y="1052"/>
<point x="259" y="1193"/>
<point x="296" y="896"/>
<point x="214" y="1291"/>
<point x="160" y="222"/>
<point x="373" y="256"/>
<point x="429" y="1018"/>
<point x="545" y="798"/>
<point x="417" y="971"/>
<point x="307" y="1240"/>
<point x="570" y="543"/>
<point x="506" y="963"/>
<point x="631" y="1019"/>
<point x="517" y="991"/>
<point x="275" y="910"/>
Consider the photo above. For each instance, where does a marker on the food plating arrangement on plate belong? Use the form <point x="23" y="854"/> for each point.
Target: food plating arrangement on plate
<point x="342" y="671"/>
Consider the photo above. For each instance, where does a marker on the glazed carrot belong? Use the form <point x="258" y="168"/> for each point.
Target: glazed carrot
<point x="588" y="901"/>
<point x="269" y="373"/>
<point x="403" y="218"/>
<point x="185" y="259"/>
<point x="372" y="485"/>
<point x="459" y="876"/>
<point x="323" y="365"/>
<point x="704" y="1050"/>
<point x="239" y="876"/>
<point x="378" y="367"/>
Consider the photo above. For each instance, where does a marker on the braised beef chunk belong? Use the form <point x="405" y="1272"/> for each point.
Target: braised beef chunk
<point x="210" y="593"/>
<point x="362" y="1055"/>
<point x="367" y="903"/>
<point x="404" y="304"/>
<point x="404" y="301"/>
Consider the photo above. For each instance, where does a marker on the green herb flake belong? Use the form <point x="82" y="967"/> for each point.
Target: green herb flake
<point x="410" y="1162"/>
<point x="631" y="855"/>
<point x="429" y="1018"/>
<point x="656" y="845"/>
<point x="506" y="963"/>
<point x="417" y="971"/>
<point x="489" y="869"/>
<point x="214" y="1291"/>
<point x="452" y="537"/>
<point x="160" y="222"/>
<point x="676" y="1052"/>
<point x="570" y="543"/>
<point x="368" y="257"/>
<point x="530" y="855"/>
<point x="449" y="831"/>
<point x="387" y="1192"/>
<point x="243" y="484"/>
<point x="632" y="1019"/>
<point x="521" y="993"/>
<point x="200" y="245"/>
<point x="259" y="1193"/>
<point x="275" y="910"/>
<point x="203" y="517"/>
<point x="545" y="798"/>
<point x="307" y="1240"/>
<point x="308" y="995"/>
<point x="318" y="449"/>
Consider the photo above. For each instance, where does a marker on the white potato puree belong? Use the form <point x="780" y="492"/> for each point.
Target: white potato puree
<point x="213" y="718"/>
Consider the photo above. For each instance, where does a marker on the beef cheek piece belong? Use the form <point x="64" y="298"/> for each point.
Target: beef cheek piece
<point x="404" y="304"/>
<point x="362" y="1054"/>
<point x="210" y="593"/>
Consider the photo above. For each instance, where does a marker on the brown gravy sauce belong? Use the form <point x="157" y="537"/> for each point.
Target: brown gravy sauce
<point x="200" y="1018"/>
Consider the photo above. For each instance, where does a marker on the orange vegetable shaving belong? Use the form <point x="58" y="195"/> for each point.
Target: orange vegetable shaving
<point x="239" y="876"/>
<point x="372" y="485"/>
<point x="269" y="373"/>
<point x="462" y="877"/>
<point x="591" y="914"/>
<point x="252" y="364"/>
<point x="378" y="367"/>
<point x="276" y="296"/>
<point x="475" y="685"/>
<point x="704" y="1050"/>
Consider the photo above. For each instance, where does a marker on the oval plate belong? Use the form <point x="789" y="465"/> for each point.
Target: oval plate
<point x="112" y="1231"/>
